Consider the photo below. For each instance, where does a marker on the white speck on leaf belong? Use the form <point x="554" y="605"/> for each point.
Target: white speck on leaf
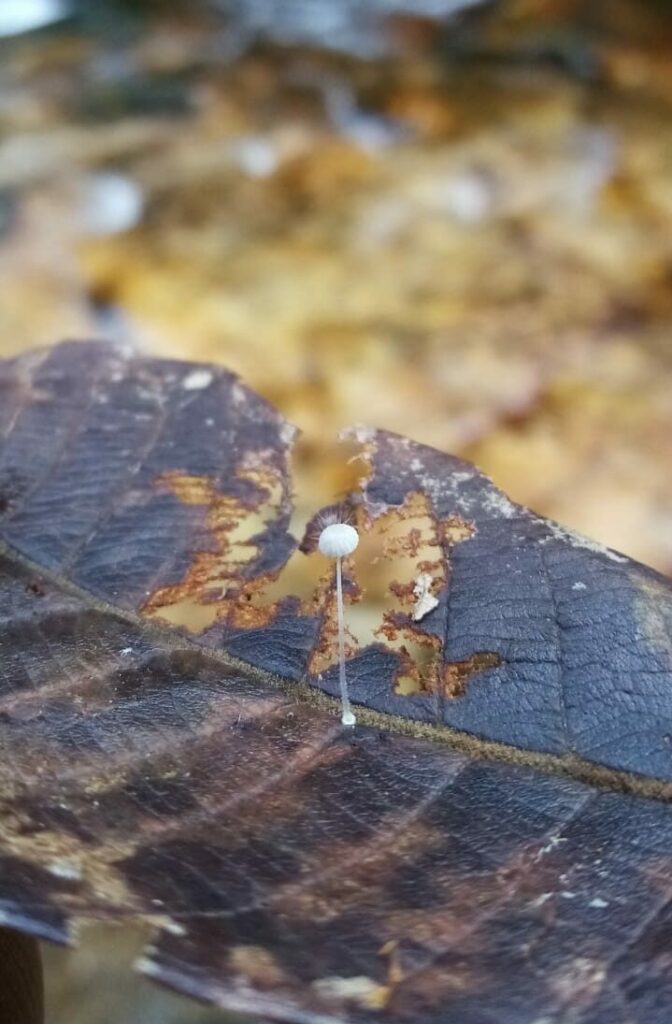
<point x="174" y="927"/>
<point x="499" y="505"/>
<point x="541" y="899"/>
<point x="358" y="988"/>
<point x="577" y="540"/>
<point x="288" y="433"/>
<point x="197" y="380"/>
<point x="425" y="600"/>
<point x="65" y="869"/>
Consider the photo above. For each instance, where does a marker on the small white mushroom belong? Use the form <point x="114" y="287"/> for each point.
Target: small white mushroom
<point x="336" y="541"/>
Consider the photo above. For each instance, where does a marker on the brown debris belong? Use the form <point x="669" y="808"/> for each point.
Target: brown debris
<point x="258" y="967"/>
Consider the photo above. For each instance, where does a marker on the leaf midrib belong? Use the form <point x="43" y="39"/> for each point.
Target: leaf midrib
<point x="169" y="638"/>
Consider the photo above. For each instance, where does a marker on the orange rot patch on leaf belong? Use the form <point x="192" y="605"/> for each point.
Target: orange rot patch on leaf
<point x="458" y="674"/>
<point x="228" y="540"/>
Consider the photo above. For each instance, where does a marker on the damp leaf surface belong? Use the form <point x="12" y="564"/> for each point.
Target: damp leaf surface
<point x="492" y="844"/>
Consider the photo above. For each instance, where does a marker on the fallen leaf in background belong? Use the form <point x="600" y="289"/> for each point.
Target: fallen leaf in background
<point x="291" y="869"/>
<point x="469" y="241"/>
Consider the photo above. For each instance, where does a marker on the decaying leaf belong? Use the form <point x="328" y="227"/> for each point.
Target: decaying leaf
<point x="540" y="632"/>
<point x="189" y="770"/>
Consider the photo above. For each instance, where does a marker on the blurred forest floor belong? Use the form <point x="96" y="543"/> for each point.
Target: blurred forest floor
<point x="456" y="228"/>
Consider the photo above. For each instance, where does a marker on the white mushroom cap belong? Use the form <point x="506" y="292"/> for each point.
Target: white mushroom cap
<point x="338" y="540"/>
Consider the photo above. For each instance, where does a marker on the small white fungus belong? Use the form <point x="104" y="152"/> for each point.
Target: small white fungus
<point x="338" y="540"/>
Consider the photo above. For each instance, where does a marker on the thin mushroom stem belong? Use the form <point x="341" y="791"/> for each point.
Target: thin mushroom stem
<point x="347" y="716"/>
<point x="337" y="540"/>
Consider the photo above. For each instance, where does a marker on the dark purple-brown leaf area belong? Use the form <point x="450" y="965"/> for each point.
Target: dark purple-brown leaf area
<point x="492" y="844"/>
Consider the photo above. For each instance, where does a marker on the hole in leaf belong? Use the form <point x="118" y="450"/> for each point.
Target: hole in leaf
<point x="396" y="550"/>
<point x="234" y="529"/>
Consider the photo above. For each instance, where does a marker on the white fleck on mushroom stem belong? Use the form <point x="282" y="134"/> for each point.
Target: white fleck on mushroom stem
<point x="347" y="716"/>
